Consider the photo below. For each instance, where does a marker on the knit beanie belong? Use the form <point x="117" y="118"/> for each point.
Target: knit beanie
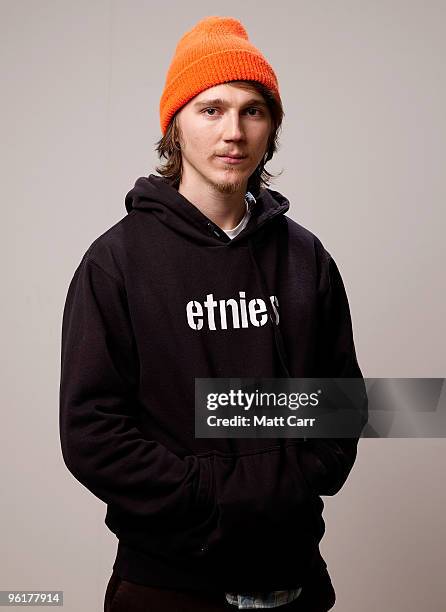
<point x="216" y="50"/>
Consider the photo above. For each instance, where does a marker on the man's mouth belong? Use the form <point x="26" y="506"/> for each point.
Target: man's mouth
<point x="231" y="159"/>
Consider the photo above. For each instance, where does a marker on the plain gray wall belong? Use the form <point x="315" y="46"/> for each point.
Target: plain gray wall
<point x="363" y="153"/>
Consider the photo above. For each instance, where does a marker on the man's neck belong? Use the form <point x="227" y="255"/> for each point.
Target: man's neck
<point x="225" y="209"/>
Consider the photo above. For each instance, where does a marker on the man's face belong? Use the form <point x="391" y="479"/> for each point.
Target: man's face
<point x="223" y="120"/>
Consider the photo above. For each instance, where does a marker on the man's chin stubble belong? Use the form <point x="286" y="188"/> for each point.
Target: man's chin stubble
<point x="229" y="187"/>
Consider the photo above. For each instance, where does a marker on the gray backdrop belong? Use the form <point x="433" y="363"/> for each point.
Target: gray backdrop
<point x="363" y="153"/>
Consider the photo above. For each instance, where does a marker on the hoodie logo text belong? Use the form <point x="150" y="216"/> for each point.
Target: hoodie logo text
<point x="237" y="313"/>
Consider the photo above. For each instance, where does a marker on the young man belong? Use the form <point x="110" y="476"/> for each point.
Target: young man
<point x="161" y="299"/>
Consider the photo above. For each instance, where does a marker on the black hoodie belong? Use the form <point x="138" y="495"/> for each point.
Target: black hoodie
<point x="232" y="514"/>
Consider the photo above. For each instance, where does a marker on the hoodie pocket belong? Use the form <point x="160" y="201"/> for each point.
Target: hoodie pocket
<point x="266" y="512"/>
<point x="178" y="539"/>
<point x="195" y="526"/>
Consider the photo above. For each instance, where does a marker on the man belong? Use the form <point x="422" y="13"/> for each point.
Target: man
<point x="161" y="299"/>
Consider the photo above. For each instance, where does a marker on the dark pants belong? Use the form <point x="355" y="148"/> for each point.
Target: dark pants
<point x="124" y="596"/>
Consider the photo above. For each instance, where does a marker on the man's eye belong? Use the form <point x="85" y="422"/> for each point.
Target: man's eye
<point x="248" y="109"/>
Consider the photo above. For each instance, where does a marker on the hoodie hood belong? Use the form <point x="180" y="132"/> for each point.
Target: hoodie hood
<point x="154" y="194"/>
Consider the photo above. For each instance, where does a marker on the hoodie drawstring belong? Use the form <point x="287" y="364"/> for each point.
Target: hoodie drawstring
<point x="277" y="334"/>
<point x="263" y="289"/>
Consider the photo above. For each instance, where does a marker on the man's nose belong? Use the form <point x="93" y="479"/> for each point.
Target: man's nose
<point x="233" y="128"/>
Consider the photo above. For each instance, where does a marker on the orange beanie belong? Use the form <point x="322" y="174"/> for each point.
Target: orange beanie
<point x="216" y="50"/>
